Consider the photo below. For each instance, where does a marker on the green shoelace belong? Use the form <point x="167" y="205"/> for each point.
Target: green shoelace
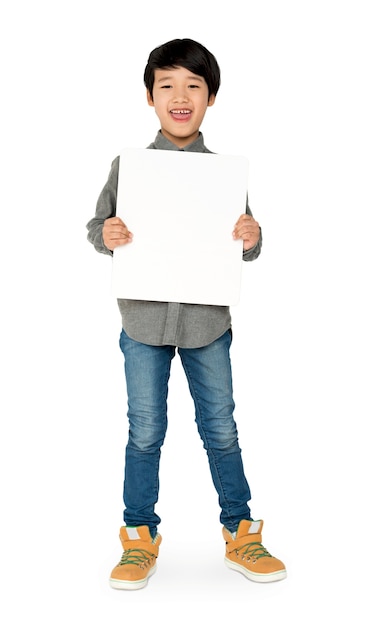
<point x="135" y="557"/>
<point x="252" y="551"/>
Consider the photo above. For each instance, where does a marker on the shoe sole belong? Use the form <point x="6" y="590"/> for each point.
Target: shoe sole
<point x="131" y="585"/>
<point x="257" y="578"/>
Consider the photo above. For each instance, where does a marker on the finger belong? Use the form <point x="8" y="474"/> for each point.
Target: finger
<point x="245" y="231"/>
<point x="117" y="227"/>
<point x="115" y="231"/>
<point x="116" y="235"/>
<point x="244" y="218"/>
<point x="114" y="220"/>
<point x="121" y="237"/>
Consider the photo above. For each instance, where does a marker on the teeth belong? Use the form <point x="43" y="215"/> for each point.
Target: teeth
<point x="180" y="111"/>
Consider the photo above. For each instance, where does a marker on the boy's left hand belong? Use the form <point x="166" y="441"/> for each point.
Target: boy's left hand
<point x="248" y="229"/>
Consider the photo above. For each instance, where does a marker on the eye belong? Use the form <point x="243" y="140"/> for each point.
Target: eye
<point x="166" y="86"/>
<point x="194" y="86"/>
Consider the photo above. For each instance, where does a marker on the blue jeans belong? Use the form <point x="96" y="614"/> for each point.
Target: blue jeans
<point x="208" y="371"/>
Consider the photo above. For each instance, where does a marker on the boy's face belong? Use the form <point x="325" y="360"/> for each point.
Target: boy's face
<point x="180" y="99"/>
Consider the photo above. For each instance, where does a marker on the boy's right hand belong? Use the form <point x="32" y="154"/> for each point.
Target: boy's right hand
<point x="115" y="233"/>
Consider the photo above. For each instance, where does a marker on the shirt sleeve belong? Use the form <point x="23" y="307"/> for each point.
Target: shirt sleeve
<point x="105" y="208"/>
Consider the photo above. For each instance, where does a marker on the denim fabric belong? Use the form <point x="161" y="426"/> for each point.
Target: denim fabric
<point x="208" y="371"/>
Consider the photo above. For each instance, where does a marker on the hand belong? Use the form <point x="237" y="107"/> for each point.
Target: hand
<point x="115" y="233"/>
<point x="248" y="229"/>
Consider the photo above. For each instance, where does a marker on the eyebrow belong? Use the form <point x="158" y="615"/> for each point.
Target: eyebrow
<point x="170" y="77"/>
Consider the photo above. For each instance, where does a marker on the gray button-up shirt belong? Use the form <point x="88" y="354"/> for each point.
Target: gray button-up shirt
<point x="163" y="323"/>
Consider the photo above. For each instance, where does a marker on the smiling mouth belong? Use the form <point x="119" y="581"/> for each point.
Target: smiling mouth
<point x="180" y="114"/>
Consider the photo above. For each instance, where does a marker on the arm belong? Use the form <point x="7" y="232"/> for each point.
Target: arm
<point x="105" y="230"/>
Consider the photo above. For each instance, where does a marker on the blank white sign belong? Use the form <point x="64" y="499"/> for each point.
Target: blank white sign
<point x="181" y="208"/>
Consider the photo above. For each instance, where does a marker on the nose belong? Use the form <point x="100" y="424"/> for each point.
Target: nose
<point x="180" y="95"/>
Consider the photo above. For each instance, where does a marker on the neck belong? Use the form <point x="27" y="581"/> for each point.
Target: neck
<point x="181" y="142"/>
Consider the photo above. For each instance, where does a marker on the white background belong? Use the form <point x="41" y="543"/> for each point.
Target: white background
<point x="295" y="99"/>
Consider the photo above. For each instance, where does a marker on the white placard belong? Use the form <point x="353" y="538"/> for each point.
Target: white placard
<point x="181" y="208"/>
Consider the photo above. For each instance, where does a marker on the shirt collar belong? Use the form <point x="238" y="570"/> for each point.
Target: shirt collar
<point x="162" y="143"/>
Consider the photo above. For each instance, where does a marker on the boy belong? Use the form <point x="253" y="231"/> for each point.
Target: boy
<point x="182" y="79"/>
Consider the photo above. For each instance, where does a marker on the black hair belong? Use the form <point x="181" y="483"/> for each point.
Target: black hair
<point x="184" y="53"/>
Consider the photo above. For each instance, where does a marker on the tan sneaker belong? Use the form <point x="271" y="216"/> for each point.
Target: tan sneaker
<point x="246" y="554"/>
<point x="138" y="562"/>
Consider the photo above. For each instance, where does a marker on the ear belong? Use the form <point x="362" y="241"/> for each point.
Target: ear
<point x="212" y="99"/>
<point x="150" y="101"/>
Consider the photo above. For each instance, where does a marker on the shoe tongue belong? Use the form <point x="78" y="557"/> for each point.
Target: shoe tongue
<point x="249" y="527"/>
<point x="135" y="532"/>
